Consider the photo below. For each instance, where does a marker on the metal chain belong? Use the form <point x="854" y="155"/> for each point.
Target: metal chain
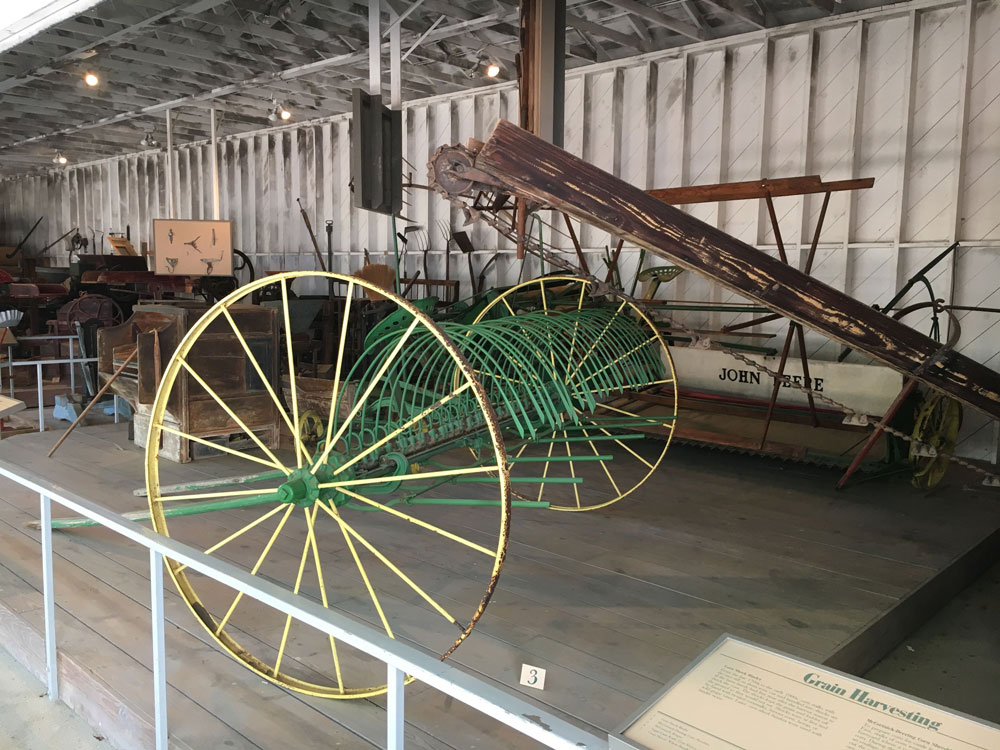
<point x="601" y="288"/>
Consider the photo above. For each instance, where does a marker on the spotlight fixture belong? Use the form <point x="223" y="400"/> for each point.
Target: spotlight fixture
<point x="91" y="79"/>
<point x="279" y="112"/>
<point x="59" y="159"/>
<point x="492" y="69"/>
<point x="148" y="140"/>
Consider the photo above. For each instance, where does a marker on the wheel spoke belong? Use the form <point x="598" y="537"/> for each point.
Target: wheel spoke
<point x="423" y="524"/>
<point x="405" y="578"/>
<point x="260" y="374"/>
<point x="572" y="472"/>
<point x="576" y="324"/>
<point x="340" y="362"/>
<point x="237" y="533"/>
<point x="597" y="341"/>
<point x="361" y="569"/>
<point x="619" y="442"/>
<point x="603" y="465"/>
<point x="225" y="407"/>
<point x="629" y="353"/>
<point x="291" y="376"/>
<point x="208" y="495"/>
<point x="256" y="567"/>
<point x="548" y="332"/>
<point x="288" y="618"/>
<point x="405" y="477"/>
<point x="311" y="539"/>
<point x="361" y="401"/>
<point x="545" y="471"/>
<point x="628" y="413"/>
<point x="224" y="449"/>
<point x="401" y="429"/>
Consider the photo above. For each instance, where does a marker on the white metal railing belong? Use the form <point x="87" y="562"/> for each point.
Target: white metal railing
<point x="73" y="361"/>
<point x="401" y="659"/>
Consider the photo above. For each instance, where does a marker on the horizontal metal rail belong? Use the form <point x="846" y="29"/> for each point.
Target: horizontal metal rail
<point x="39" y="364"/>
<point x="400" y="658"/>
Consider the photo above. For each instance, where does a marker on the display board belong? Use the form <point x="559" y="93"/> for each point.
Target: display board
<point x="741" y="696"/>
<point x="184" y="247"/>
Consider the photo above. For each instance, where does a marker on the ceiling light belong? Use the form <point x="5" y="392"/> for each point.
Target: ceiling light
<point x="91" y="79"/>
<point x="149" y="141"/>
<point x="492" y="70"/>
<point x="60" y="159"/>
<point x="279" y="112"/>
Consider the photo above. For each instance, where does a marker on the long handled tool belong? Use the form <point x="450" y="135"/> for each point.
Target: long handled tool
<point x="56" y="242"/>
<point x="312" y="235"/>
<point x="20" y="244"/>
<point x="104" y="388"/>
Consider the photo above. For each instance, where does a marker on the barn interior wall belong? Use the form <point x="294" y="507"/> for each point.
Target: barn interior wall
<point x="906" y="95"/>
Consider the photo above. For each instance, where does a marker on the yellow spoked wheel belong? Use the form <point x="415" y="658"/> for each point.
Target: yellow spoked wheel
<point x="937" y="426"/>
<point x="376" y="521"/>
<point x="602" y="444"/>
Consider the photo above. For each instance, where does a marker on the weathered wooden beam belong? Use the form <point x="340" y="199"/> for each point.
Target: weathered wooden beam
<point x="737" y="191"/>
<point x="534" y="169"/>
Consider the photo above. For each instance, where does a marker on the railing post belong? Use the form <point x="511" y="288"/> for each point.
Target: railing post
<point x="114" y="401"/>
<point x="72" y="367"/>
<point x="49" y="601"/>
<point x="41" y="397"/>
<point x="394" y="709"/>
<point x="10" y="367"/>
<point x="159" y="649"/>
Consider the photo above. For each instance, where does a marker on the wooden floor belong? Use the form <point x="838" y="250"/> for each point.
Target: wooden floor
<point x="612" y="603"/>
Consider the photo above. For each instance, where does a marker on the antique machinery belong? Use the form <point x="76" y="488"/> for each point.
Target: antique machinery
<point x="433" y="431"/>
<point x="512" y="163"/>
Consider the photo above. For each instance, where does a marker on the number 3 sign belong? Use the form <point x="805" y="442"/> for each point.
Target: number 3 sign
<point x="533" y="676"/>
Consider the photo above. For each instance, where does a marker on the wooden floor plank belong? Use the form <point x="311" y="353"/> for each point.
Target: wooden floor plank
<point x="612" y="603"/>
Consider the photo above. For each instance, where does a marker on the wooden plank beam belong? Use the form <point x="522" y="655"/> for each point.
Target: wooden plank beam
<point x="539" y="171"/>
<point x="737" y="191"/>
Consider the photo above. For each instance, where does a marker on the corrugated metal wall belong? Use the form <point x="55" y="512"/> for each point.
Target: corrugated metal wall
<point x="906" y="95"/>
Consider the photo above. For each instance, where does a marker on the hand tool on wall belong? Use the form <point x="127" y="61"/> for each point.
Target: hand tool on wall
<point x="446" y="232"/>
<point x="20" y="244"/>
<point x="482" y="273"/>
<point x="312" y="235"/>
<point x="104" y="389"/>
<point x="465" y="245"/>
<point x="56" y="242"/>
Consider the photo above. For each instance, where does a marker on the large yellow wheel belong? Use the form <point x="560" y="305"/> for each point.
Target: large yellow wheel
<point x="937" y="426"/>
<point x="345" y="524"/>
<point x="605" y="447"/>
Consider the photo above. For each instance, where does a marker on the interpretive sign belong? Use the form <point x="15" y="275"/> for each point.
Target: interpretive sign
<point x="740" y="696"/>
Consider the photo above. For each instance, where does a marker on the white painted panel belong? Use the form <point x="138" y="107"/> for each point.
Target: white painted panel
<point x="980" y="215"/>
<point x="935" y="130"/>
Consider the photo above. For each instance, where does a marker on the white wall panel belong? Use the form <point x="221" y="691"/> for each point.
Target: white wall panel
<point x="880" y="94"/>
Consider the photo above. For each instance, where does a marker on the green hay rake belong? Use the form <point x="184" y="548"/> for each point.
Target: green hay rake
<point x="399" y="512"/>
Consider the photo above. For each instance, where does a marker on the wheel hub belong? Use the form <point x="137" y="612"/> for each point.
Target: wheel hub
<point x="302" y="487"/>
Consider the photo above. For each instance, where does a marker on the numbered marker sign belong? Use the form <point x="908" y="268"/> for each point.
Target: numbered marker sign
<point x="533" y="676"/>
